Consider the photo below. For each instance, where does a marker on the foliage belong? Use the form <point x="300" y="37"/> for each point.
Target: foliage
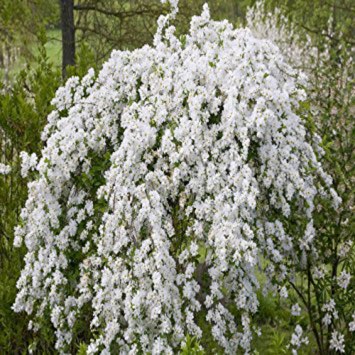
<point x="19" y="20"/>
<point x="23" y="111"/>
<point x="191" y="347"/>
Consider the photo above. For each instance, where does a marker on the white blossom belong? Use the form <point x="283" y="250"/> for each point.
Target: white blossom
<point x="5" y="169"/>
<point x="337" y="342"/>
<point x="28" y="162"/>
<point x="343" y="279"/>
<point x="352" y="324"/>
<point x="297" y="339"/>
<point x="296" y="310"/>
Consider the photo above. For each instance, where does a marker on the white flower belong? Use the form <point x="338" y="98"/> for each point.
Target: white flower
<point x="337" y="342"/>
<point x="4" y="169"/>
<point x="327" y="319"/>
<point x="345" y="248"/>
<point x="296" y="310"/>
<point x="329" y="306"/>
<point x="343" y="279"/>
<point x="352" y="324"/>
<point x="297" y="338"/>
<point x="283" y="292"/>
<point x="28" y="163"/>
<point x="318" y="273"/>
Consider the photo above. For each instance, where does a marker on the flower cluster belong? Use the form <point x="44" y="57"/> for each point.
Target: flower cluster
<point x="162" y="183"/>
<point x="297" y="339"/>
<point x="28" y="163"/>
<point x="5" y="169"/>
<point x="337" y="342"/>
<point x="296" y="310"/>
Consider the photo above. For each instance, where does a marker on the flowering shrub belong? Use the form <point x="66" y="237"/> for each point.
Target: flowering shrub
<point x="165" y="182"/>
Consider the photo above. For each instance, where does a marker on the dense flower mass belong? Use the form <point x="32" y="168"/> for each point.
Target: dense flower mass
<point x="163" y="182"/>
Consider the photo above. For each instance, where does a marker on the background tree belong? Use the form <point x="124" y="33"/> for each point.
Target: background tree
<point x="68" y="34"/>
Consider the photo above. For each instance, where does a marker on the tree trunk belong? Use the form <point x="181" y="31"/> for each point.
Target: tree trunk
<point x="68" y="34"/>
